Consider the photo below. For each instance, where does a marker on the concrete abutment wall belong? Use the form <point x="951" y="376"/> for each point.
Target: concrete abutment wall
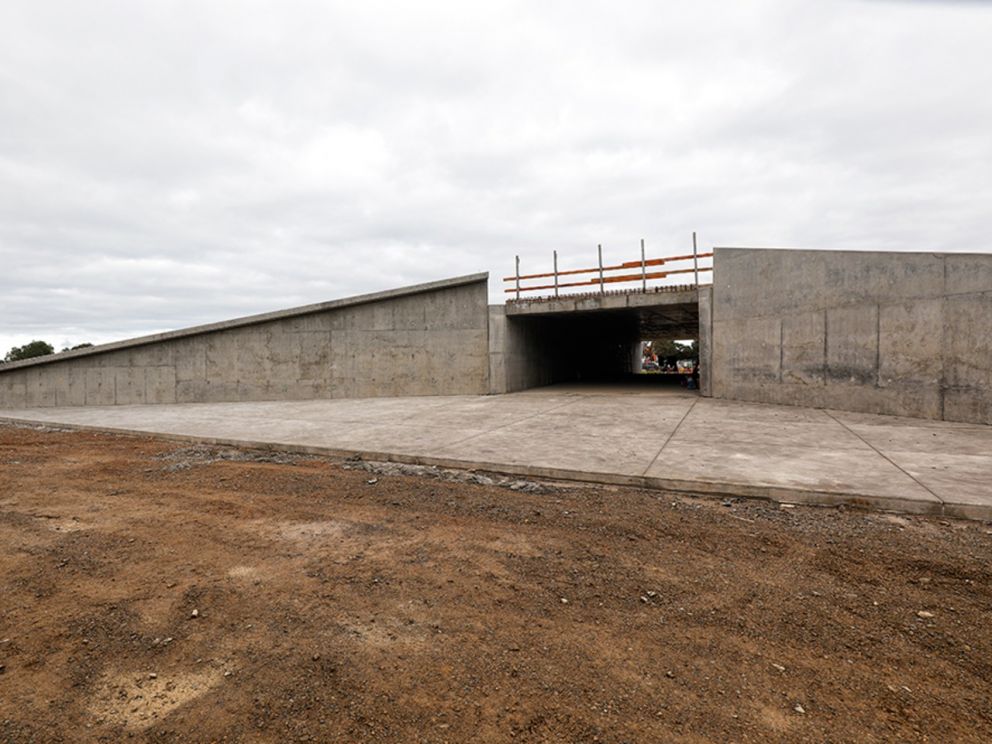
<point x="906" y="334"/>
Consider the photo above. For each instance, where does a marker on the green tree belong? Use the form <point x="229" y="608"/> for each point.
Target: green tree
<point x="29" y="351"/>
<point x="666" y="348"/>
<point x="78" y="346"/>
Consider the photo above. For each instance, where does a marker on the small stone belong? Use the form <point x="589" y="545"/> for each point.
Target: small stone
<point x="670" y="674"/>
<point x="786" y="506"/>
<point x="194" y="613"/>
<point x="799" y="709"/>
<point x="644" y="599"/>
<point x="563" y="600"/>
<point x="924" y="614"/>
<point x="167" y="641"/>
<point x="152" y="675"/>
<point x="779" y="667"/>
<point x="227" y="674"/>
<point x="372" y="481"/>
<point x="652" y="594"/>
<point x="316" y="657"/>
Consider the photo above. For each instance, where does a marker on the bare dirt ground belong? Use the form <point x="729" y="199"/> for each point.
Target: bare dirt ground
<point x="158" y="592"/>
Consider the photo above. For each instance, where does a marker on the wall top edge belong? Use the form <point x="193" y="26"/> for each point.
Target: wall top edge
<point x="249" y="320"/>
<point x="853" y="251"/>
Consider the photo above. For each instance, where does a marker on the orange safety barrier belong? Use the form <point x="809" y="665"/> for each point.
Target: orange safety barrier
<point x="602" y="279"/>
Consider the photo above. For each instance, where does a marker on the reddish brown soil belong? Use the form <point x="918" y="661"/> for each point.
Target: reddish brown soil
<point x="415" y="609"/>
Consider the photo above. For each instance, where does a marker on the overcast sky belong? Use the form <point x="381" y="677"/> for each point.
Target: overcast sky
<point x="164" y="164"/>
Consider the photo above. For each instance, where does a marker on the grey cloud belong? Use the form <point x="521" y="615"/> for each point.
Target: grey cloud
<point x="176" y="163"/>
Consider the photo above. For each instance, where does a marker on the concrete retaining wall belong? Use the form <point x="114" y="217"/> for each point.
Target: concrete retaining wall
<point x="429" y="339"/>
<point x="895" y="333"/>
<point x="705" y="343"/>
<point x="519" y="354"/>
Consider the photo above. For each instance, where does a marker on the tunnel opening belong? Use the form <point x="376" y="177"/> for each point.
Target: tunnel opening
<point x="670" y="361"/>
<point x="600" y="346"/>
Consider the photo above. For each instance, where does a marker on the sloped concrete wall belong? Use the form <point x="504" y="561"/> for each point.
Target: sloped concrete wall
<point x="894" y="333"/>
<point x="430" y="339"/>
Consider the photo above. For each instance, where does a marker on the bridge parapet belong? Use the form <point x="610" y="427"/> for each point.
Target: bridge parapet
<point x="631" y="271"/>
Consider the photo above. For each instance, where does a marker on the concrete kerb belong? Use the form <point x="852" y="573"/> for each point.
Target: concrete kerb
<point x="716" y="489"/>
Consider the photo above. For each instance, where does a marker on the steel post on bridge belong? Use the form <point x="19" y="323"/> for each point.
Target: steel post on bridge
<point x="603" y="275"/>
<point x="695" y="259"/>
<point x="602" y="289"/>
<point x="644" y="269"/>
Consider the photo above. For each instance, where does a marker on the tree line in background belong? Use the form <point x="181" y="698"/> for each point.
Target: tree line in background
<point x="664" y="348"/>
<point x="36" y="349"/>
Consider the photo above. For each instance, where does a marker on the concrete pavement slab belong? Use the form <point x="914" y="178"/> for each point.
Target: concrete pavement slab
<point x="962" y="481"/>
<point x="577" y="450"/>
<point x="909" y="435"/>
<point x="660" y="438"/>
<point x="711" y="409"/>
<point x="707" y="430"/>
<point x="828" y="471"/>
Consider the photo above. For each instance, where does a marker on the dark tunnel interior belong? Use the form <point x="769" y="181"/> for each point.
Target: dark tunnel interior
<point x="600" y="346"/>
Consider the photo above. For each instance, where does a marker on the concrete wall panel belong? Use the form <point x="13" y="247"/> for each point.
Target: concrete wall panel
<point x="804" y="348"/>
<point x="129" y="386"/>
<point x="894" y="333"/>
<point x="852" y="345"/>
<point x="968" y="357"/>
<point x="910" y="338"/>
<point x="705" y="341"/>
<point x="100" y="387"/>
<point x="755" y="362"/>
<point x="424" y="340"/>
<point x="160" y="385"/>
<point x="13" y="388"/>
<point x="74" y="394"/>
<point x="966" y="273"/>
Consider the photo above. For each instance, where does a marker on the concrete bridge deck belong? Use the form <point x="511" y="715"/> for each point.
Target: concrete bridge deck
<point x="649" y="437"/>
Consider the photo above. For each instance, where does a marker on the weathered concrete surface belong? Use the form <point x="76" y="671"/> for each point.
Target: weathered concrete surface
<point x="615" y="300"/>
<point x="893" y="333"/>
<point x="429" y="339"/>
<point x="705" y="343"/>
<point x="654" y="439"/>
<point x="520" y="356"/>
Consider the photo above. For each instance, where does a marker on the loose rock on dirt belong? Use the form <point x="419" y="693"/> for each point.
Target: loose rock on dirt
<point x="463" y="636"/>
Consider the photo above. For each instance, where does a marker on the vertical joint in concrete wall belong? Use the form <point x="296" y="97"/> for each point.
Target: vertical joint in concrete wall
<point x="878" y="345"/>
<point x="945" y="335"/>
<point x="826" y="345"/>
<point x="781" y="348"/>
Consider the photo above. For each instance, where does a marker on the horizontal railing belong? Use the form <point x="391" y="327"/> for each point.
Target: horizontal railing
<point x="604" y="275"/>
